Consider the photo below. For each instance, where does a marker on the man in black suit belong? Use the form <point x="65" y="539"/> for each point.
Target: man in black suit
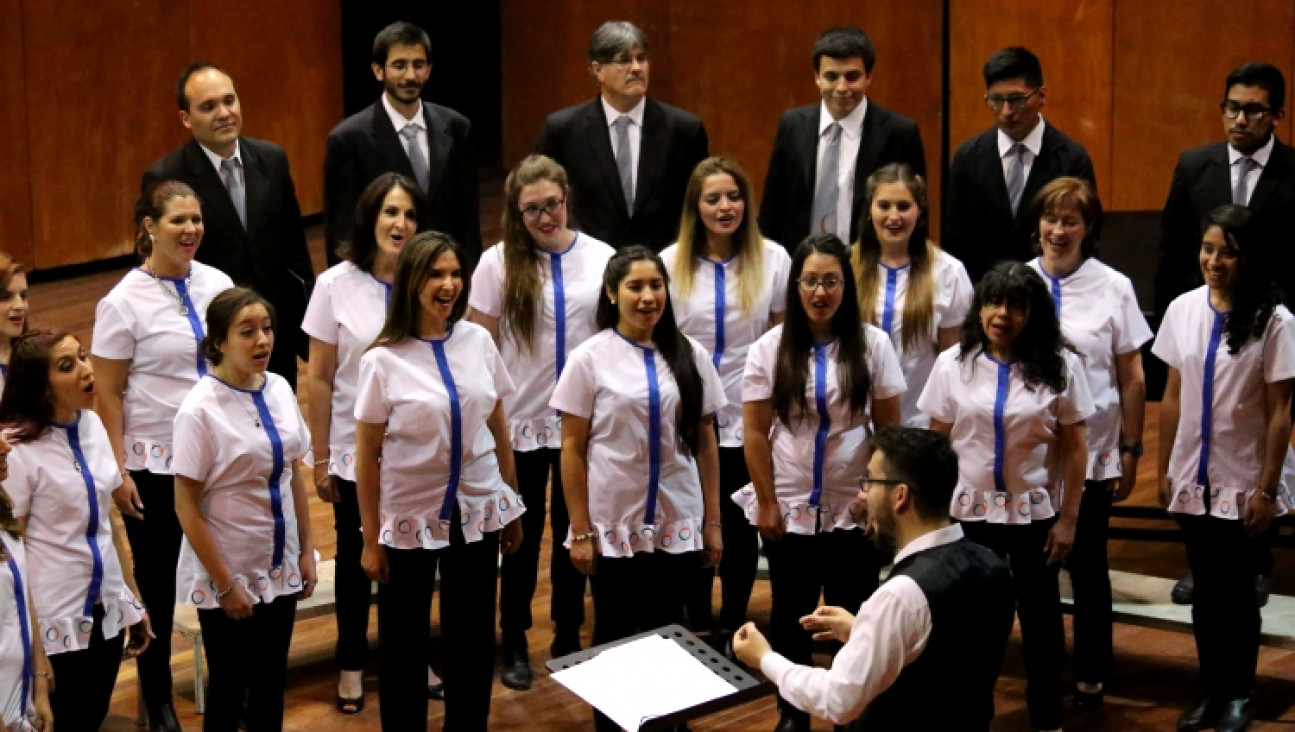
<point x="798" y="199"/>
<point x="628" y="157"/>
<point x="993" y="176"/>
<point x="400" y="132"/>
<point x="249" y="205"/>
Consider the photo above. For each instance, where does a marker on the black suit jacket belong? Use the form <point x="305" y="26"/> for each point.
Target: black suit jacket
<point x="673" y="142"/>
<point x="366" y="145"/>
<point x="789" y="186"/>
<point x="1203" y="182"/>
<point x="978" y="225"/>
<point x="271" y="255"/>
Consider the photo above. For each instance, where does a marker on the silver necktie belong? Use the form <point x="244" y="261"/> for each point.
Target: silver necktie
<point x="417" y="160"/>
<point x="234" y="184"/>
<point x="625" y="160"/>
<point x="828" y="189"/>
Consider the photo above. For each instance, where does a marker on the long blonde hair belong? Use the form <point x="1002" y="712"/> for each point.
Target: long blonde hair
<point x="523" y="287"/>
<point x="919" y="301"/>
<point x="748" y="245"/>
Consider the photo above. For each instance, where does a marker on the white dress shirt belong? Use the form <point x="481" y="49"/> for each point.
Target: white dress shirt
<point x="1260" y="157"/>
<point x="851" y="136"/>
<point x="400" y="122"/>
<point x="635" y="131"/>
<point x="216" y="160"/>
<point x="1033" y="145"/>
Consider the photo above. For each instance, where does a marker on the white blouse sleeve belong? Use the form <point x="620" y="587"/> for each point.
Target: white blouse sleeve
<point x="887" y="375"/>
<point x="192" y="446"/>
<point x="1279" y="348"/>
<point x="371" y="391"/>
<point x="1166" y="346"/>
<point x="782" y="269"/>
<point x="488" y="283"/>
<point x="495" y="362"/>
<point x="712" y="388"/>
<point x="574" y="393"/>
<point x="320" y="321"/>
<point x="937" y="400"/>
<point x="18" y="485"/>
<point x="757" y="377"/>
<point x="1076" y="402"/>
<point x="112" y="333"/>
<point x="1131" y="329"/>
<point x="960" y="293"/>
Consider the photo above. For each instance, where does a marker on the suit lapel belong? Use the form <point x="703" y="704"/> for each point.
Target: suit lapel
<point x="438" y="148"/>
<point x="806" y="141"/>
<point x="652" y="153"/>
<point x="600" y="148"/>
<point x="210" y="188"/>
<point x="387" y="142"/>
<point x="1277" y="170"/>
<point x="1046" y="165"/>
<point x="255" y="182"/>
<point x="991" y="171"/>
<point x="869" y="152"/>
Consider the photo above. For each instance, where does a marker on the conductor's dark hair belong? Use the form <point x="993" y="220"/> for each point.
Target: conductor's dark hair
<point x="925" y="460"/>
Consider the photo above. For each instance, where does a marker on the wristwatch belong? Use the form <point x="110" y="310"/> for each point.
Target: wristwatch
<point x="1135" y="449"/>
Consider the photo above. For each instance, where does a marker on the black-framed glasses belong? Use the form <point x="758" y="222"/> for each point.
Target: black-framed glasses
<point x="811" y="283"/>
<point x="550" y="207"/>
<point x="1017" y="102"/>
<point x="1253" y="111"/>
<point x="866" y="483"/>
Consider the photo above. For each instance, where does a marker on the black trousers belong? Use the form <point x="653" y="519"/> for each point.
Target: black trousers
<point x="1091" y="580"/>
<point x="84" y="680"/>
<point x="1225" y="613"/>
<point x="247" y="659"/>
<point x="468" y="577"/>
<point x="354" y="589"/>
<point x="842" y="565"/>
<point x="155" y="548"/>
<point x="1038" y="607"/>
<point x="517" y="574"/>
<point x="737" y="566"/>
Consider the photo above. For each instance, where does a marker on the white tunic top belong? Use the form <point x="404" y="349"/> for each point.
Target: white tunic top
<point x="1005" y="434"/>
<point x="241" y="445"/>
<point x="714" y="299"/>
<point x="571" y="282"/>
<point x="17" y="654"/>
<point x="953" y="293"/>
<point x="644" y="489"/>
<point x="1222" y="422"/>
<point x="434" y="397"/>
<point x="62" y="482"/>
<point x="819" y="458"/>
<point x="140" y="320"/>
<point x="347" y="309"/>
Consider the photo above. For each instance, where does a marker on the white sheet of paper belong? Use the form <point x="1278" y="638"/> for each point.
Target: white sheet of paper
<point x="647" y="678"/>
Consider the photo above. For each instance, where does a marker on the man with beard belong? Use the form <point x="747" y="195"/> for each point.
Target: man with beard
<point x="400" y="132"/>
<point x="936" y="627"/>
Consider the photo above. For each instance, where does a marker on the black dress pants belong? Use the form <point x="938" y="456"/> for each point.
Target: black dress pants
<point x="1090" y="578"/>
<point x="247" y="659"/>
<point x="155" y="549"/>
<point x="1225" y="613"/>
<point x="84" y="680"/>
<point x="354" y="589"/>
<point x="737" y="565"/>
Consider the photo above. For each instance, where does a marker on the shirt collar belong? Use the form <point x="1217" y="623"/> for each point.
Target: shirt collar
<point x="612" y="113"/>
<point x="1260" y="156"/>
<point x="930" y="540"/>
<point x="851" y="125"/>
<point x="216" y="159"/>
<point x="1033" y="141"/>
<point x="398" y="120"/>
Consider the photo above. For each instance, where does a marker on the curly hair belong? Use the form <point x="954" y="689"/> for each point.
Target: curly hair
<point x="1040" y="344"/>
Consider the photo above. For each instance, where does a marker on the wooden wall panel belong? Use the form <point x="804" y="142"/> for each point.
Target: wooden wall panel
<point x="91" y="107"/>
<point x="1073" y="41"/>
<point x="15" y="181"/>
<point x="287" y="68"/>
<point x="1173" y="59"/>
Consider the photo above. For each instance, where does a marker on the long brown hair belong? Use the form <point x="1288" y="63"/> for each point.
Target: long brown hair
<point x="26" y="407"/>
<point x="919" y="301"/>
<point x="413" y="269"/>
<point x="748" y="244"/>
<point x="523" y="287"/>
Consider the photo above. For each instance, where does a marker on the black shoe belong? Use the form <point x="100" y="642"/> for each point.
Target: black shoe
<point x="1261" y="590"/>
<point x="517" y="672"/>
<point x="1183" y="591"/>
<point x="350" y="706"/>
<point x="1089" y="700"/>
<point x="164" y="719"/>
<point x="564" y="644"/>
<point x="1202" y="716"/>
<point x="792" y="723"/>
<point x="1236" y="716"/>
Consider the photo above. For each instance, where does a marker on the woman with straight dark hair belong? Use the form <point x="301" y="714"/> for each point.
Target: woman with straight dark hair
<point x="1224" y="432"/>
<point x="537" y="292"/>
<point x="436" y="486"/>
<point x="342" y="321"/>
<point x="61" y="476"/>
<point x="1013" y="397"/>
<point x="639" y="461"/>
<point x="815" y="389"/>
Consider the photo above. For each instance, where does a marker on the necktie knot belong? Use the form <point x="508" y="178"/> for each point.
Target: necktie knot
<point x="833" y="132"/>
<point x="410" y="132"/>
<point x="623" y="122"/>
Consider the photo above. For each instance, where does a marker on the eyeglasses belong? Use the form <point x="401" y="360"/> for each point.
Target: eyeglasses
<point x="626" y="59"/>
<point x="551" y="207"/>
<point x="1253" y="111"/>
<point x="866" y="483"/>
<point x="1015" y="101"/>
<point x="811" y="283"/>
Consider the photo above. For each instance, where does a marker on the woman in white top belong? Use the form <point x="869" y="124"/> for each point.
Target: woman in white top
<point x="13" y="308"/>
<point x="728" y="285"/>
<point x="639" y="461"/>
<point x="342" y="320"/>
<point x="1013" y="398"/>
<point x="908" y="286"/>
<point x="61" y="476"/>
<point x="240" y="490"/>
<point x="815" y="389"/>
<point x="436" y="485"/>
<point x="1100" y="316"/>
<point x="145" y="353"/>
<point x="536" y="292"/>
<point x="1224" y="431"/>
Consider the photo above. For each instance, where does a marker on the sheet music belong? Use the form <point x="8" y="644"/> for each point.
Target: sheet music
<point x="647" y="678"/>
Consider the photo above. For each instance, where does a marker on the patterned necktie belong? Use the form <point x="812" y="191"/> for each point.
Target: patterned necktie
<point x="625" y="160"/>
<point x="828" y="190"/>
<point x="417" y="160"/>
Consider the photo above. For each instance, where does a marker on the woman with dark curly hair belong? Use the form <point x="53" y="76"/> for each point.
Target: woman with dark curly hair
<point x="1013" y="398"/>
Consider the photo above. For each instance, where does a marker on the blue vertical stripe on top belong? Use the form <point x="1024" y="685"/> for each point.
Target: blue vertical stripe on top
<point x="385" y="286"/>
<point x="654" y="427"/>
<point x="1055" y="287"/>
<point x="559" y="310"/>
<point x="824" y="420"/>
<point x="1207" y="398"/>
<point x="92" y="527"/>
<point x="720" y="296"/>
<point x="456" y="427"/>
<point x="888" y="307"/>
<point x="1000" y="429"/>
<point x="276" y="474"/>
<point x="195" y="321"/>
<point x="20" y="599"/>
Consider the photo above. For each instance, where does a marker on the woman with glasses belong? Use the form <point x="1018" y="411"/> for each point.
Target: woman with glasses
<point x="537" y="293"/>
<point x="814" y="390"/>
<point x="910" y="288"/>
<point x="727" y="286"/>
<point x="1013" y="397"/>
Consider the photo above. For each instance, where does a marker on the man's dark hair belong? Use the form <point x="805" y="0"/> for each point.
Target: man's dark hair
<point x="844" y="42"/>
<point x="925" y="460"/>
<point x="1015" y="62"/>
<point x="181" y="98"/>
<point x="1265" y="76"/>
<point x="399" y="33"/>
